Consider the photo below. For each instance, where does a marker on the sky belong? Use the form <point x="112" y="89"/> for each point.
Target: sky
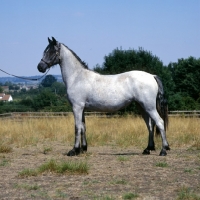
<point x="92" y="29"/>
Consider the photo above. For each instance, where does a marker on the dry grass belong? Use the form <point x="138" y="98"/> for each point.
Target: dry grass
<point x="123" y="131"/>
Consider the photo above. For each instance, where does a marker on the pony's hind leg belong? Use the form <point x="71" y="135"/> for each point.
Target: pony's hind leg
<point x="160" y="125"/>
<point x="150" y="126"/>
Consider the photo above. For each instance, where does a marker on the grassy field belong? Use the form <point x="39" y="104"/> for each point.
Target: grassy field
<point x="123" y="132"/>
<point x="32" y="164"/>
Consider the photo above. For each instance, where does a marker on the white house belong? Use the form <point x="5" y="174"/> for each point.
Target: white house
<point x="5" y="97"/>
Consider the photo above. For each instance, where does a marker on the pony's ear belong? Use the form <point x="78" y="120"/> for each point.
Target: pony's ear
<point x="49" y="40"/>
<point x="54" y="41"/>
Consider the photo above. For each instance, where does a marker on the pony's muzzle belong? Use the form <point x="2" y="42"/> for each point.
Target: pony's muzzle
<point x="42" y="67"/>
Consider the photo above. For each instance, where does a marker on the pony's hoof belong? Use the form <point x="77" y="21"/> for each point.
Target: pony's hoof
<point x="163" y="153"/>
<point x="71" y="153"/>
<point x="167" y="148"/>
<point x="74" y="152"/>
<point x="84" y="149"/>
<point x="146" y="152"/>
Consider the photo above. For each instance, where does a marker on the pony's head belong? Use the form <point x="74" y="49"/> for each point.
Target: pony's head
<point x="51" y="55"/>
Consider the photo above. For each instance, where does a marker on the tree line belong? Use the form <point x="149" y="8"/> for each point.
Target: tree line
<point x="180" y="80"/>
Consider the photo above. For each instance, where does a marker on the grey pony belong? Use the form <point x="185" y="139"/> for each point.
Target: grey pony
<point x="87" y="90"/>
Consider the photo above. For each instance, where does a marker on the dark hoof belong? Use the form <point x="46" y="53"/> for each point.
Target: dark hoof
<point x="83" y="149"/>
<point x="74" y="152"/>
<point x="167" y="148"/>
<point x="146" y="152"/>
<point x="163" y="153"/>
<point x="152" y="148"/>
<point x="71" y="153"/>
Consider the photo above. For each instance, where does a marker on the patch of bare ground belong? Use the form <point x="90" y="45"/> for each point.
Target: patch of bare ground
<point x="114" y="173"/>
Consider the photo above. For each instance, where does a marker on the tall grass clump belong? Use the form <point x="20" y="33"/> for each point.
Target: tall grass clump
<point x="71" y="167"/>
<point x="5" y="148"/>
<point x="79" y="167"/>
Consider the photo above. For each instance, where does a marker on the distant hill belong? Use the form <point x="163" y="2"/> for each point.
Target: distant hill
<point x="15" y="80"/>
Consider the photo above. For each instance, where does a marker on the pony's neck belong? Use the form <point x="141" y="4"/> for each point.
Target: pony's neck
<point x="70" y="65"/>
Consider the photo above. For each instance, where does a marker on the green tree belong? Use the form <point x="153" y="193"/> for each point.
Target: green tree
<point x="126" y="60"/>
<point x="59" y="88"/>
<point x="44" y="99"/>
<point x="48" y="81"/>
<point x="27" y="102"/>
<point x="185" y="74"/>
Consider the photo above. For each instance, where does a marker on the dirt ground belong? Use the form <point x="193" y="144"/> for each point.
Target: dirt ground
<point x="114" y="173"/>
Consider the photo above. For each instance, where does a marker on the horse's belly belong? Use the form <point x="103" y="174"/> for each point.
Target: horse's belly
<point x="108" y="104"/>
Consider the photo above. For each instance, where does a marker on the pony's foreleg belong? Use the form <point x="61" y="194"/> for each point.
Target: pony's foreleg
<point x="150" y="126"/>
<point x="79" y="130"/>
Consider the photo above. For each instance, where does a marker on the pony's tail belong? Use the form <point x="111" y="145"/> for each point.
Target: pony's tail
<point x="161" y="103"/>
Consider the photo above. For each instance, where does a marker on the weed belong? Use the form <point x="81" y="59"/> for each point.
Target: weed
<point x="27" y="187"/>
<point x="27" y="172"/>
<point x="43" y="194"/>
<point x="108" y="198"/>
<point x="5" y="149"/>
<point x="122" y="158"/>
<point x="47" y="149"/>
<point x="50" y="166"/>
<point x="162" y="164"/>
<point x="186" y="193"/>
<point x="61" y="194"/>
<point x="73" y="167"/>
<point x="130" y="196"/>
<point x="86" y="182"/>
<point x="4" y="163"/>
<point x="188" y="170"/>
<point x="105" y="198"/>
<point x="122" y="182"/>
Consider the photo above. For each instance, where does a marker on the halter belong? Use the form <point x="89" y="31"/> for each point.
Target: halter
<point x="57" y="55"/>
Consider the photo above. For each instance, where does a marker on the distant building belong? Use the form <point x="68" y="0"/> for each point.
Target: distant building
<point x="5" y="97"/>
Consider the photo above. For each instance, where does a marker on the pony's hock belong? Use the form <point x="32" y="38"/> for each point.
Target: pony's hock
<point x="88" y="90"/>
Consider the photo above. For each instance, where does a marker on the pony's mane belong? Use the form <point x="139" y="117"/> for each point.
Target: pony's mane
<point x="84" y="64"/>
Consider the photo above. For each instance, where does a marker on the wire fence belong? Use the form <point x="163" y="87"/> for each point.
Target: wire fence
<point x="14" y="115"/>
<point x="184" y="113"/>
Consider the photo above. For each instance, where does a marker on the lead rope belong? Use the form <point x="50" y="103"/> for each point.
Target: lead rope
<point x="31" y="79"/>
<point x="36" y="79"/>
